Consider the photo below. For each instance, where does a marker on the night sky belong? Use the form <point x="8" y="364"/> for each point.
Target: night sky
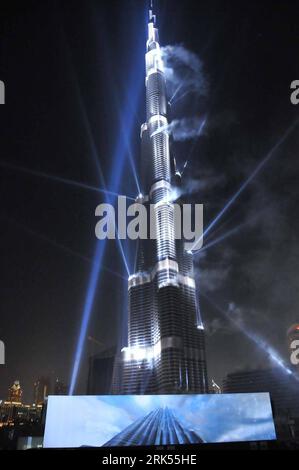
<point x="74" y="77"/>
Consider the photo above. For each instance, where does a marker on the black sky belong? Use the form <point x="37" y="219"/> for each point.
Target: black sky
<point x="70" y="70"/>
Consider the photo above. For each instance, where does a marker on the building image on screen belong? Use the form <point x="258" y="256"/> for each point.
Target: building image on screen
<point x="134" y="420"/>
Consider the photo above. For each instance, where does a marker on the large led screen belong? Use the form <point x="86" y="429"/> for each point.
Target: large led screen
<point x="132" y="420"/>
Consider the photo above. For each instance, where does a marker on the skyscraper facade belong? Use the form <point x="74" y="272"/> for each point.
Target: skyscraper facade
<point x="165" y="352"/>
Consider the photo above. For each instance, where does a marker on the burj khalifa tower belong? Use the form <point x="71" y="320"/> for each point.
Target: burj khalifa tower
<point x="166" y="350"/>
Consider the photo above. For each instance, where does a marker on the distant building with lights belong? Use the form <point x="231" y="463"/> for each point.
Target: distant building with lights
<point x="15" y="393"/>
<point x="284" y="394"/>
<point x="19" y="421"/>
<point x="18" y="412"/>
<point x="166" y="350"/>
<point x="41" y="390"/>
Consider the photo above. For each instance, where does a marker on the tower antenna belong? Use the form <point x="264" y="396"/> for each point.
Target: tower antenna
<point x="152" y="17"/>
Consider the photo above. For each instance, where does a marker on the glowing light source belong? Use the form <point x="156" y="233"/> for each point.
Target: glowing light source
<point x="175" y="93"/>
<point x="137" y="353"/>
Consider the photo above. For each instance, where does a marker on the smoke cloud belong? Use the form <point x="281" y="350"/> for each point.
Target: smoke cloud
<point x="187" y="128"/>
<point x="184" y="129"/>
<point x="184" y="72"/>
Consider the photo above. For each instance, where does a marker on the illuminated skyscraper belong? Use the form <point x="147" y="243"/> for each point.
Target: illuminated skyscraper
<point x="15" y="393"/>
<point x="165" y="352"/>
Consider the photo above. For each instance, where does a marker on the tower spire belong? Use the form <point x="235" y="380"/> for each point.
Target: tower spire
<point x="152" y="17"/>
